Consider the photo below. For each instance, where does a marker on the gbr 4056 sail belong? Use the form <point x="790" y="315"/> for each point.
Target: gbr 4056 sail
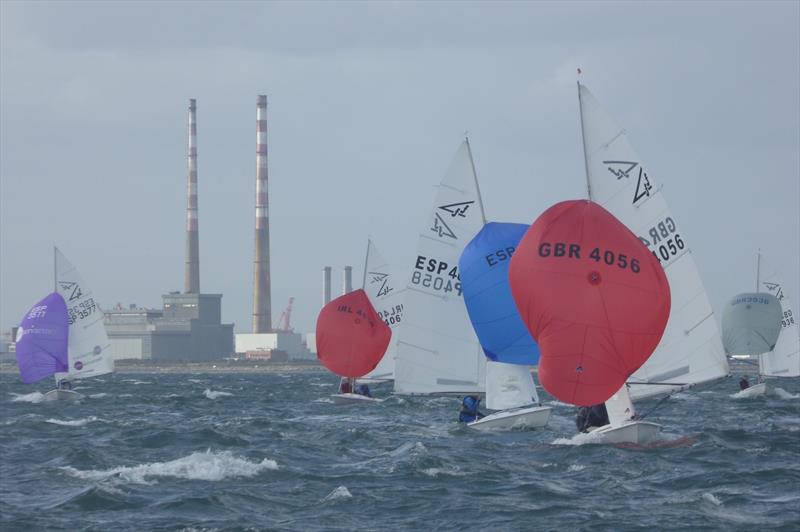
<point x="690" y="351"/>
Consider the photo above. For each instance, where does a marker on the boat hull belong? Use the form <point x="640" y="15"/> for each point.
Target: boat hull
<point x="756" y="390"/>
<point x="531" y="417"/>
<point x="637" y="432"/>
<point x="62" y="395"/>
<point x="353" y="399"/>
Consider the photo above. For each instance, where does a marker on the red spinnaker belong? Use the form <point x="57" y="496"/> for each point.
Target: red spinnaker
<point x="351" y="337"/>
<point x="592" y="296"/>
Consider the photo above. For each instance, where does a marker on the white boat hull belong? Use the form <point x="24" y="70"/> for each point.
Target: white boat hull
<point x="755" y="390"/>
<point x="638" y="432"/>
<point x="353" y="399"/>
<point x="530" y="417"/>
<point x="62" y="395"/>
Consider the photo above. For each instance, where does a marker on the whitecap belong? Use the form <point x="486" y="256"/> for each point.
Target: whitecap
<point x="436" y="471"/>
<point x="213" y="394"/>
<point x="709" y="497"/>
<point x="576" y="467"/>
<point x="73" y="422"/>
<point x="780" y="393"/>
<point x="196" y="381"/>
<point x="34" y="397"/>
<point x="97" y="395"/>
<point x="208" y="465"/>
<point x="408" y="448"/>
<point x="339" y="493"/>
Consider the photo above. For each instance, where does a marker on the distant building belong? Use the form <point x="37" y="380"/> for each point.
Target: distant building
<point x="291" y="342"/>
<point x="189" y="328"/>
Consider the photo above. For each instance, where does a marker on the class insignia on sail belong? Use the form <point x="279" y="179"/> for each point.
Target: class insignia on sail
<point x="592" y="296"/>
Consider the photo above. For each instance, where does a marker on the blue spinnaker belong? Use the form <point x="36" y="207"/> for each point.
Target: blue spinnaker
<point x="484" y="281"/>
<point x="42" y="340"/>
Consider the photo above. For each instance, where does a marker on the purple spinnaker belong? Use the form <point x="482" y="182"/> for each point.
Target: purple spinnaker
<point x="42" y="340"/>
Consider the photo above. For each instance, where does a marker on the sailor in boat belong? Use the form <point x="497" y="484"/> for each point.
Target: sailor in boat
<point x="469" y="409"/>
<point x="591" y="417"/>
<point x="363" y="389"/>
<point x="345" y="386"/>
<point x="744" y="383"/>
<point x="64" y="384"/>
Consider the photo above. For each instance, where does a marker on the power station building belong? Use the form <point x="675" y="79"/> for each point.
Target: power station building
<point x="189" y="327"/>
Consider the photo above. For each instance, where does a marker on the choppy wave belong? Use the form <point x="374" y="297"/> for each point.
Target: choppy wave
<point x="710" y="497"/>
<point x="73" y="422"/>
<point x="98" y="395"/>
<point x="210" y="466"/>
<point x="211" y="394"/>
<point x="783" y="394"/>
<point x="34" y="397"/>
<point x="339" y="493"/>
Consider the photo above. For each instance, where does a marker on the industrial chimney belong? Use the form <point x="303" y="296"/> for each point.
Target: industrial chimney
<point x="192" y="270"/>
<point x="262" y="316"/>
<point x="326" y="285"/>
<point x="347" y="280"/>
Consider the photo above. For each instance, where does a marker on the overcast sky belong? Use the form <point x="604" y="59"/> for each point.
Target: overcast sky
<point x="368" y="102"/>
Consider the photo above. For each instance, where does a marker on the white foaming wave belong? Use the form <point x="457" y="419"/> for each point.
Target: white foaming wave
<point x="196" y="381"/>
<point x="436" y="471"/>
<point x="211" y="394"/>
<point x="339" y="493"/>
<point x="408" y="448"/>
<point x="134" y="381"/>
<point x="576" y="467"/>
<point x="710" y="497"/>
<point x="780" y="393"/>
<point x="73" y="422"/>
<point x="97" y="395"/>
<point x="208" y="465"/>
<point x="581" y="438"/>
<point x="34" y="397"/>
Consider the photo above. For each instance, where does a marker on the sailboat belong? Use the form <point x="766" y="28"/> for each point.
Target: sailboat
<point x="380" y="284"/>
<point x="88" y="349"/>
<point x="597" y="303"/>
<point x="507" y="344"/>
<point x="437" y="351"/>
<point x="762" y="324"/>
<point x="690" y="352"/>
<point x="351" y="339"/>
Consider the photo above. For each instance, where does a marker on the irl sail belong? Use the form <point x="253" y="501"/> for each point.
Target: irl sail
<point x="381" y="286"/>
<point x="41" y="340"/>
<point x="484" y="280"/>
<point x="592" y="296"/>
<point x="89" y="348"/>
<point x="784" y="359"/>
<point x="437" y="350"/>
<point x="751" y="324"/>
<point x="691" y="349"/>
<point x="351" y="337"/>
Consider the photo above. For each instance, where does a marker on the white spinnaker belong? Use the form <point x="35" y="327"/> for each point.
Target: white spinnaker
<point x="690" y="352"/>
<point x="385" y="294"/>
<point x="784" y="360"/>
<point x="89" y="348"/>
<point x="437" y="349"/>
<point x="509" y="386"/>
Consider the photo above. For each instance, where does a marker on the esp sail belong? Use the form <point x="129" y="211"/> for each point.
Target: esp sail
<point x="351" y="337"/>
<point x="41" y="340"/>
<point x="592" y="296"/>
<point x="784" y="359"/>
<point x="691" y="349"/>
<point x="437" y="350"/>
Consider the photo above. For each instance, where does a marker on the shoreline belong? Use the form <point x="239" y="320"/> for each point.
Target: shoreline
<point x="200" y="367"/>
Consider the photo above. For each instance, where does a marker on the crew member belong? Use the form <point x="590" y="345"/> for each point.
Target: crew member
<point x="469" y="409"/>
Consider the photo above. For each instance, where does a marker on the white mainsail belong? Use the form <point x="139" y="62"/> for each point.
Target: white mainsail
<point x="690" y="352"/>
<point x="381" y="286"/>
<point x="784" y="360"/>
<point x="509" y="386"/>
<point x="437" y="349"/>
<point x="89" y="348"/>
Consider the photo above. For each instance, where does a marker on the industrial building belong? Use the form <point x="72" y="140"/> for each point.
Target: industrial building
<point x="189" y="328"/>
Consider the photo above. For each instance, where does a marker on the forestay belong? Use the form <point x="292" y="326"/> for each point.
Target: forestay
<point x="784" y="360"/>
<point x="691" y="350"/>
<point x="437" y="350"/>
<point x="751" y="324"/>
<point x="89" y="348"/>
<point x="380" y="284"/>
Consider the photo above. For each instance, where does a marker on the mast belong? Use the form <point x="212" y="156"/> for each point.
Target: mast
<point x="55" y="269"/>
<point x="366" y="263"/>
<point x="758" y="269"/>
<point x="583" y="139"/>
<point x="475" y="177"/>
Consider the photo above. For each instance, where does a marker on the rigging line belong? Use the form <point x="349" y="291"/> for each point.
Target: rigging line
<point x="663" y="399"/>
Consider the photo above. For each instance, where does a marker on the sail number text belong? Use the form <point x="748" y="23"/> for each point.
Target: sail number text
<point x="573" y="251"/>
<point x="392" y="316"/>
<point x="788" y="319"/>
<point x="664" y="240"/>
<point x="440" y="276"/>
<point x="82" y="310"/>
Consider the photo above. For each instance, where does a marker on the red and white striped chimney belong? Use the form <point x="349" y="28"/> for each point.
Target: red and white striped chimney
<point x="192" y="270"/>
<point x="262" y="314"/>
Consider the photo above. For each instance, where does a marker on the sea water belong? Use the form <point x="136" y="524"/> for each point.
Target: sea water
<point x="269" y="451"/>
